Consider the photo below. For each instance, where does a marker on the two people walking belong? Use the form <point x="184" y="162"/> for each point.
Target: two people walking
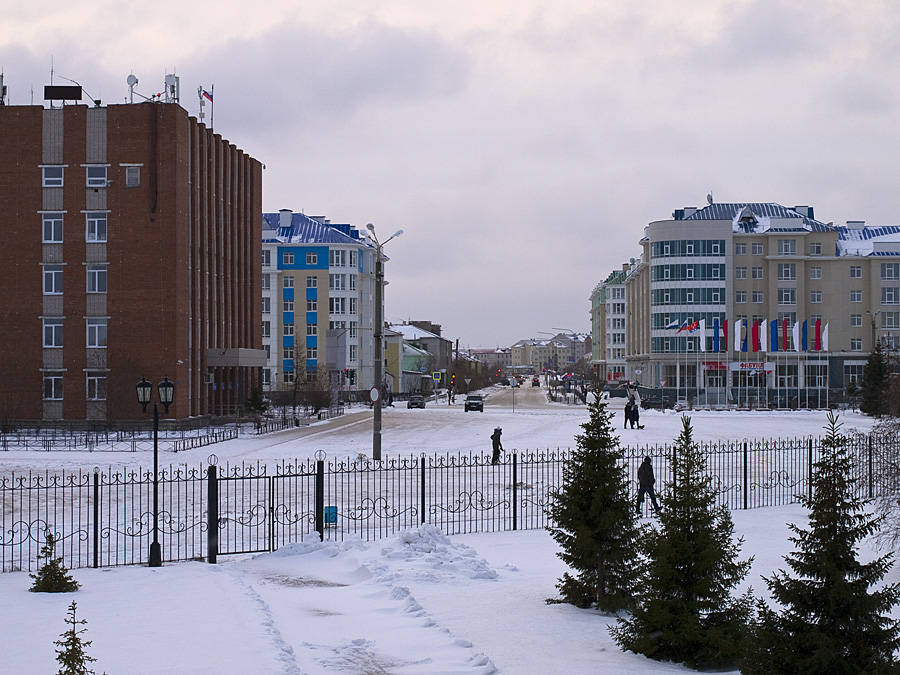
<point x="498" y="448"/>
<point x="633" y="414"/>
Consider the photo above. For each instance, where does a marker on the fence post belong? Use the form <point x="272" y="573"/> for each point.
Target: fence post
<point x="320" y="498"/>
<point x="514" y="493"/>
<point x="871" y="473"/>
<point x="271" y="513"/>
<point x="212" y="513"/>
<point x="422" y="489"/>
<point x="810" y="487"/>
<point x="745" y="474"/>
<point x="96" y="517"/>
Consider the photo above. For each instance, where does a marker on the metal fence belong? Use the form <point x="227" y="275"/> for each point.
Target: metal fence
<point x="106" y="518"/>
<point x="174" y="440"/>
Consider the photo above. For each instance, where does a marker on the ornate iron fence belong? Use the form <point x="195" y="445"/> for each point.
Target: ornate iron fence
<point x="106" y="518"/>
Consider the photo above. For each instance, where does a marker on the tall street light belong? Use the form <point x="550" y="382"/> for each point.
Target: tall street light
<point x="874" y="316"/>
<point x="375" y="393"/>
<point x="166" y="395"/>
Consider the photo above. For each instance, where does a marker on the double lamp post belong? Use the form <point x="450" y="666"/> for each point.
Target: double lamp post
<point x="166" y="394"/>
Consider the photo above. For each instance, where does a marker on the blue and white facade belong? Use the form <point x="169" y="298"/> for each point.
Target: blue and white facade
<point x="318" y="302"/>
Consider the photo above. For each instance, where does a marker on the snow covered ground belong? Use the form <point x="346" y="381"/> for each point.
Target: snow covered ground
<point x="419" y="602"/>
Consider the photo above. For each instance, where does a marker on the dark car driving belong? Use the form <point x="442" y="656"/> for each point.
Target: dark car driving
<point x="416" y="401"/>
<point x="658" y="402"/>
<point x="474" y="402"/>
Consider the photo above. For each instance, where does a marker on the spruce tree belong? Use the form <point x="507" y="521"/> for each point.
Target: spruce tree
<point x="874" y="381"/>
<point x="685" y="610"/>
<point x="71" y="655"/>
<point x="595" y="520"/>
<point x="829" y="621"/>
<point x="52" y="576"/>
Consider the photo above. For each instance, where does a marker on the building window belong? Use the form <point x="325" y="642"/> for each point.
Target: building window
<point x="337" y="259"/>
<point x="288" y="306"/>
<point x="288" y="353"/>
<point x="352" y="282"/>
<point x="132" y="176"/>
<point x="815" y="272"/>
<point x="689" y="249"/>
<point x="855" y="344"/>
<point x="715" y="297"/>
<point x="856" y="271"/>
<point x="96" y="386"/>
<point x="815" y="297"/>
<point x="815" y="248"/>
<point x="787" y="247"/>
<point x="353" y="329"/>
<point x="890" y="271"/>
<point x="787" y="272"/>
<point x="53" y="279"/>
<point x="96" y="278"/>
<point x="890" y="295"/>
<point x="53" y="228"/>
<point x="267" y="377"/>
<point x="267" y="305"/>
<point x="266" y="329"/>
<point x="689" y="272"/>
<point x="289" y="281"/>
<point x="312" y="354"/>
<point x="96" y="333"/>
<point x="289" y="377"/>
<point x="266" y="282"/>
<point x="787" y="296"/>
<point x="311" y="282"/>
<point x="53" y="333"/>
<point x="268" y="350"/>
<point x="312" y="258"/>
<point x="352" y="308"/>
<point x="337" y="282"/>
<point x="96" y="227"/>
<point x="740" y="249"/>
<point x="740" y="272"/>
<point x="855" y="296"/>
<point x="757" y="272"/>
<point x="267" y="258"/>
<point x="53" y="385"/>
<point x="96" y="176"/>
<point x="312" y="329"/>
<point x="312" y="306"/>
<point x="714" y="249"/>
<point x="52" y="176"/>
<point x="757" y="296"/>
<point x="288" y="258"/>
<point x="337" y="305"/>
<point x="757" y="248"/>
<point x="288" y="329"/>
<point x="352" y="355"/>
<point x="855" y="320"/>
<point x="351" y="258"/>
<point x="740" y="296"/>
<point x="890" y="320"/>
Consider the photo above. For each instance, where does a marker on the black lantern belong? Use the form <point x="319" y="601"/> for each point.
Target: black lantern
<point x="144" y="392"/>
<point x="166" y="392"/>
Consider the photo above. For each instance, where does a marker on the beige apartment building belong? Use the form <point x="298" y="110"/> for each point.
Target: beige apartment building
<point x="754" y="304"/>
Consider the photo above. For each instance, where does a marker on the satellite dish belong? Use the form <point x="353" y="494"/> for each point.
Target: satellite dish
<point x="131" y="80"/>
<point x="632" y="261"/>
<point x="709" y="199"/>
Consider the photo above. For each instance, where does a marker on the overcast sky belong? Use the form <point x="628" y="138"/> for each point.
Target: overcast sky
<point x="522" y="145"/>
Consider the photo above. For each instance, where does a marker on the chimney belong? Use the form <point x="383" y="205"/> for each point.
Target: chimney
<point x="284" y="217"/>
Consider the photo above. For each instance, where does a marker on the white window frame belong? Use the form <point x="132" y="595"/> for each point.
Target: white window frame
<point x="756" y="273"/>
<point x="97" y="281"/>
<point x="96" y="385"/>
<point x="267" y="329"/>
<point x="756" y="248"/>
<point x="97" y="336"/>
<point x="312" y="306"/>
<point x="96" y="226"/>
<point x="267" y="257"/>
<point x="740" y="297"/>
<point x="312" y="258"/>
<point x="856" y="271"/>
<point x="312" y="282"/>
<point x="132" y="176"/>
<point x="758" y="297"/>
<point x="96" y="175"/>
<point x="266" y="282"/>
<point x="53" y="385"/>
<point x="855" y="344"/>
<point x="52" y="227"/>
<point x="53" y="279"/>
<point x="815" y="248"/>
<point x="890" y="271"/>
<point x="351" y="308"/>
<point x="49" y="177"/>
<point x="288" y="329"/>
<point x="266" y="305"/>
<point x="312" y="329"/>
<point x="53" y="333"/>
<point x="855" y="295"/>
<point x="288" y="258"/>
<point x="856" y="321"/>
<point x="287" y="305"/>
<point x="890" y="295"/>
<point x="740" y="272"/>
<point x="815" y="297"/>
<point x="288" y="280"/>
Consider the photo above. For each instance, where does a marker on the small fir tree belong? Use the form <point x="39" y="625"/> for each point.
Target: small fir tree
<point x="52" y="576"/>
<point x="71" y="655"/>
<point x="829" y="620"/>
<point x="875" y="376"/>
<point x="257" y="406"/>
<point x="595" y="520"/>
<point x="685" y="610"/>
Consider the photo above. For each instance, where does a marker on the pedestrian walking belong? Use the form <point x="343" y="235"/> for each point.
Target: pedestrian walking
<point x="646" y="480"/>
<point x="628" y="408"/>
<point x="498" y="447"/>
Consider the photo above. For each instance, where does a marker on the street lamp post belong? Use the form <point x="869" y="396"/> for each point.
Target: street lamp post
<point x="379" y="340"/>
<point x="874" y="316"/>
<point x="166" y="394"/>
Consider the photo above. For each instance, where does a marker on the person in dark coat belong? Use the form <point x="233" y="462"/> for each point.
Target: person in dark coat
<point x="628" y="412"/>
<point x="495" y="440"/>
<point x="646" y="480"/>
<point x="636" y="416"/>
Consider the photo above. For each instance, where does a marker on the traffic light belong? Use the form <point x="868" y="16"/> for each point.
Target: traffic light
<point x="498" y="372"/>
<point x="453" y="378"/>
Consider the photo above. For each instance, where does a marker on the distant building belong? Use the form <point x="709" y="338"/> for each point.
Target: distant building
<point x="131" y="250"/>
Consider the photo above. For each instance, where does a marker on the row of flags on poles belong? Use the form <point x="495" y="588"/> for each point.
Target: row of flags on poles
<point x="759" y="336"/>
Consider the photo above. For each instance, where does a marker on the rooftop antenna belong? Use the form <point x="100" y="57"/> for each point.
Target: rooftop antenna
<point x="173" y="88"/>
<point x="2" y="91"/>
<point x="95" y="100"/>
<point x="131" y="80"/>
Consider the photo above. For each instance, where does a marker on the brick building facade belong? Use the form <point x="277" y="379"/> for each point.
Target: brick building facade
<point x="131" y="249"/>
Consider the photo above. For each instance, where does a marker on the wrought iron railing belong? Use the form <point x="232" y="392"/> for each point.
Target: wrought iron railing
<point x="106" y="518"/>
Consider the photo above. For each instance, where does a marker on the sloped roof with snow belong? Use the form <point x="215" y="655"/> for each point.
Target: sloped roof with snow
<point x="411" y="333"/>
<point x="759" y="217"/>
<point x="304" y="229"/>
<point x="882" y="240"/>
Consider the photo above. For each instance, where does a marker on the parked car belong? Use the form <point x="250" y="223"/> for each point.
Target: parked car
<point x="474" y="402"/>
<point x="416" y="401"/>
<point x="658" y="402"/>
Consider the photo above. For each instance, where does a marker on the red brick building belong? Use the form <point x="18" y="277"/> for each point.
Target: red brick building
<point x="131" y="249"/>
